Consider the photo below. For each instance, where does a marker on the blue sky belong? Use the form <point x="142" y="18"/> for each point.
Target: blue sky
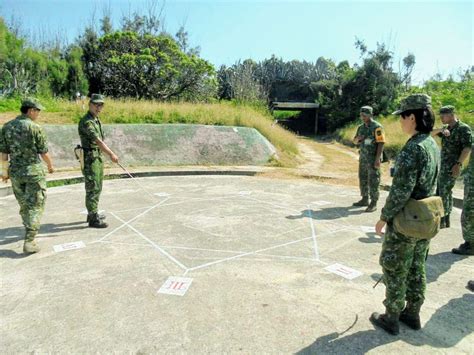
<point x="439" y="33"/>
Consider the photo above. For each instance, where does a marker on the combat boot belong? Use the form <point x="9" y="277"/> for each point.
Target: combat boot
<point x="446" y="221"/>
<point x="470" y="285"/>
<point x="30" y="247"/>
<point x="372" y="207"/>
<point x="89" y="216"/>
<point x="465" y="248"/>
<point x="361" y="203"/>
<point x="388" y="322"/>
<point x="96" y="222"/>
<point x="411" y="316"/>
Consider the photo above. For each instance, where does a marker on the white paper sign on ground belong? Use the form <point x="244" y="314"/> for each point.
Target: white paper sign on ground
<point x="244" y="193"/>
<point x="176" y="286"/>
<point x="320" y="203"/>
<point x="69" y="246"/>
<point x="343" y="271"/>
<point x="368" y="229"/>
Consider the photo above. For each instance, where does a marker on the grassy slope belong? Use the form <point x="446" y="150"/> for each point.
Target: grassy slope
<point x="130" y="111"/>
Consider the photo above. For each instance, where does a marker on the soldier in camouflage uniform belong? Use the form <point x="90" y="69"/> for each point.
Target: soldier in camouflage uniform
<point x="371" y="138"/>
<point x="456" y="141"/>
<point x="467" y="217"/>
<point x="23" y="141"/>
<point x="402" y="257"/>
<point x="92" y="142"/>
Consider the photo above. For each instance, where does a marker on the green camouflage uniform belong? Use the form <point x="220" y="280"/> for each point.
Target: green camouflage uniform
<point x="23" y="140"/>
<point x="467" y="217"/>
<point x="90" y="129"/>
<point x="403" y="258"/>
<point x="451" y="148"/>
<point x="369" y="177"/>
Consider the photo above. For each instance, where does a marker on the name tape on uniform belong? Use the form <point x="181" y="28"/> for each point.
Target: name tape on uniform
<point x="177" y="286"/>
<point x="343" y="271"/>
<point x="69" y="246"/>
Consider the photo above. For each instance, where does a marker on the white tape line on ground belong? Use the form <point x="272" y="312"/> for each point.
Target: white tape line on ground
<point x="313" y="233"/>
<point x="156" y="246"/>
<point x="131" y="220"/>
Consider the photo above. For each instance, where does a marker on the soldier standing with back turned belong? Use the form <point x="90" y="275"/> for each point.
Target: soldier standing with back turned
<point x="371" y="138"/>
<point x="23" y="141"/>
<point x="92" y="142"/>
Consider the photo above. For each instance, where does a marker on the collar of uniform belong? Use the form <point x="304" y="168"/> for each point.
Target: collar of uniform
<point x="92" y="116"/>
<point x="455" y="125"/>
<point x="23" y="117"/>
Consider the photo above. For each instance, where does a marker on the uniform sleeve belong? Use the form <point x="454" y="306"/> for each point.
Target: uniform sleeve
<point x="3" y="142"/>
<point x="379" y="135"/>
<point x="466" y="137"/>
<point x="89" y="131"/>
<point x="403" y="183"/>
<point x="41" y="142"/>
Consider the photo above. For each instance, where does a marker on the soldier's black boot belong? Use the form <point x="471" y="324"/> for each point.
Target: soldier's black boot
<point x="101" y="216"/>
<point x="388" y="322"/>
<point x="465" y="248"/>
<point x="361" y="203"/>
<point x="442" y="224"/>
<point x="372" y="207"/>
<point x="446" y="221"/>
<point x="470" y="285"/>
<point x="411" y="316"/>
<point x="96" y="222"/>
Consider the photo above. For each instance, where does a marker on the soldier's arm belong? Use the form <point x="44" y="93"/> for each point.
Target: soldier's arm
<point x="403" y="184"/>
<point x="48" y="161"/>
<point x="5" y="166"/>
<point x="440" y="132"/>
<point x="103" y="147"/>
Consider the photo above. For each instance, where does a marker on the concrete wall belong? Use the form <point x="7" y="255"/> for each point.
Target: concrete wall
<point x="168" y="144"/>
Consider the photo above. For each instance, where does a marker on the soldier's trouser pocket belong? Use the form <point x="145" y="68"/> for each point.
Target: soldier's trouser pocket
<point x="93" y="176"/>
<point x="31" y="195"/>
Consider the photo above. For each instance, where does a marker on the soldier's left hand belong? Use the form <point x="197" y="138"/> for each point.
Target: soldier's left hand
<point x="379" y="227"/>
<point x="5" y="178"/>
<point x="377" y="164"/>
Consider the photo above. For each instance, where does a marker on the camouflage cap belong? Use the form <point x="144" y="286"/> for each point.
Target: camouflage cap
<point x="97" y="99"/>
<point x="414" y="102"/>
<point x="447" y="109"/>
<point x="367" y="110"/>
<point x="30" y="102"/>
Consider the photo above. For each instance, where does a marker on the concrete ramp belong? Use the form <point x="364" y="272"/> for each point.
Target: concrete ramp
<point x="168" y="144"/>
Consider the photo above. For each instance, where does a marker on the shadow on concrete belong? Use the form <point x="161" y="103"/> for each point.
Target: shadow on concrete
<point x="10" y="254"/>
<point x="371" y="238"/>
<point x="446" y="328"/>
<point x="328" y="213"/>
<point x="15" y="234"/>
<point x="438" y="264"/>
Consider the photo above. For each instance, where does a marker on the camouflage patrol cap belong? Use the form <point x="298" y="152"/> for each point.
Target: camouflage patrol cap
<point x="414" y="102"/>
<point x="447" y="109"/>
<point x="30" y="102"/>
<point x="367" y="110"/>
<point x="97" y="99"/>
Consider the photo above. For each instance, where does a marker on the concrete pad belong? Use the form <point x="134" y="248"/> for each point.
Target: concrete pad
<point x="256" y="250"/>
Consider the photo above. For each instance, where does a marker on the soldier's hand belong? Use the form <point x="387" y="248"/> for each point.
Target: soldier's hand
<point x="50" y="169"/>
<point x="379" y="227"/>
<point x="446" y="132"/>
<point x="114" y="158"/>
<point x="377" y="164"/>
<point x="5" y="178"/>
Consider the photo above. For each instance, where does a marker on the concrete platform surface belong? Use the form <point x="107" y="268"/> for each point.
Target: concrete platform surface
<point x="258" y="253"/>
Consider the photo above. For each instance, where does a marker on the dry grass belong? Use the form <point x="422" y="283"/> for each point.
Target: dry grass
<point x="222" y="114"/>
